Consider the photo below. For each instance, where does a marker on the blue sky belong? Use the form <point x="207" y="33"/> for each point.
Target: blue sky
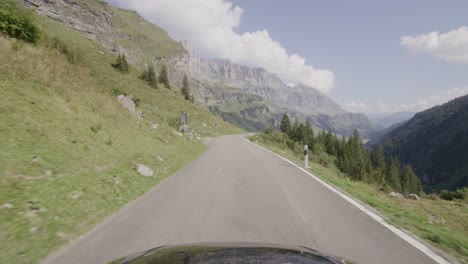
<point x="352" y="49"/>
<point x="359" y="41"/>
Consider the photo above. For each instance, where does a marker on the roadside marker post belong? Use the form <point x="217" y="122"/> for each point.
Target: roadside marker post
<point x="306" y="156"/>
<point x="184" y="120"/>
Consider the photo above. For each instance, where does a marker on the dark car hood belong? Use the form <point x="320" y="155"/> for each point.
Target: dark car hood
<point x="244" y="252"/>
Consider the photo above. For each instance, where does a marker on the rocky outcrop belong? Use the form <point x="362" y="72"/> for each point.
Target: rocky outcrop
<point x="144" y="170"/>
<point x="128" y="103"/>
<point x="257" y="81"/>
<point x="95" y="24"/>
<point x="396" y="195"/>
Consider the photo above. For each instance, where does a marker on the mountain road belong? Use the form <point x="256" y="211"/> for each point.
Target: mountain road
<point x="236" y="191"/>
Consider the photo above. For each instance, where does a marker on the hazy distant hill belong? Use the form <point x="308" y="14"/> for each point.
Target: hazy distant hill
<point x="387" y="119"/>
<point x="435" y="143"/>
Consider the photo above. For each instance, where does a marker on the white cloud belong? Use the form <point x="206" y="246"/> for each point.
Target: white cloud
<point x="416" y="106"/>
<point x="451" y="46"/>
<point x="209" y="25"/>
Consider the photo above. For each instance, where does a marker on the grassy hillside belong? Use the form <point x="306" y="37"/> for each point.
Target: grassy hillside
<point x="143" y="40"/>
<point x="69" y="147"/>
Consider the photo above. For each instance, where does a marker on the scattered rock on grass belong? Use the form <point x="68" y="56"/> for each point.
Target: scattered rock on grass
<point x="160" y="159"/>
<point x="48" y="173"/>
<point x="435" y="219"/>
<point x="36" y="159"/>
<point x="177" y="133"/>
<point x="74" y="195"/>
<point x="128" y="103"/>
<point x="6" y="206"/>
<point x="396" y="194"/>
<point x="154" y="126"/>
<point x="413" y="196"/>
<point x="144" y="170"/>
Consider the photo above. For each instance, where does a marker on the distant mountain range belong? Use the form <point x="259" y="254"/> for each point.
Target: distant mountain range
<point x="434" y="142"/>
<point x="385" y="120"/>
<point x="255" y="99"/>
<point x="251" y="98"/>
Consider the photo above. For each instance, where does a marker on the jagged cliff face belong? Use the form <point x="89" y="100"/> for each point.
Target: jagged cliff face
<point x="212" y="78"/>
<point x="117" y="30"/>
<point x="94" y="23"/>
<point x="300" y="98"/>
<point x="249" y="97"/>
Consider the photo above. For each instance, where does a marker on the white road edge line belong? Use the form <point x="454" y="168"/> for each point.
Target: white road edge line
<point x="424" y="249"/>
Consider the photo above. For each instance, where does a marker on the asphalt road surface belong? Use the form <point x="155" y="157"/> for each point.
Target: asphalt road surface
<point x="238" y="192"/>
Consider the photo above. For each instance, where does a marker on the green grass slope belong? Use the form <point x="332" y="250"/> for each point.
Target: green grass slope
<point x="69" y="147"/>
<point x="143" y="40"/>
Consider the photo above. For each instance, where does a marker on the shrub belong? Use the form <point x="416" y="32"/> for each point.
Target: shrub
<point x="17" y="22"/>
<point x="73" y="55"/>
<point x="451" y="195"/>
<point x="136" y="100"/>
<point x="149" y="76"/>
<point x="117" y="91"/>
<point x="121" y="64"/>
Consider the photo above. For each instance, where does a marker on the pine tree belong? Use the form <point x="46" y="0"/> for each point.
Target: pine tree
<point x="378" y="158"/>
<point x="309" y="134"/>
<point x="163" y="78"/>
<point x="285" y="125"/>
<point x="185" y="90"/>
<point x="294" y="131"/>
<point x="149" y="76"/>
<point x="405" y="179"/>
<point x="329" y="143"/>
<point x="409" y="181"/>
<point x="393" y="173"/>
<point x="379" y="167"/>
<point x="121" y="64"/>
<point x="125" y="67"/>
<point x="344" y="162"/>
<point x="301" y="133"/>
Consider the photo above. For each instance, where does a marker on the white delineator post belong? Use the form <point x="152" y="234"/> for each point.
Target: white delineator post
<point x="306" y="156"/>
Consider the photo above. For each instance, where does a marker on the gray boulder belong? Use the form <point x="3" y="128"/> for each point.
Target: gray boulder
<point x="396" y="195"/>
<point x="128" y="103"/>
<point x="413" y="196"/>
<point x="6" y="206"/>
<point x="160" y="159"/>
<point x="144" y="170"/>
<point x="177" y="133"/>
